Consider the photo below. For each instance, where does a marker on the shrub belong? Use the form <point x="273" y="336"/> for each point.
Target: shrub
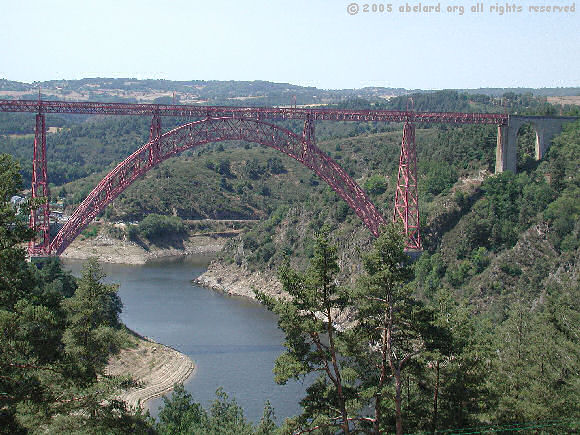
<point x="438" y="177"/>
<point x="375" y="185"/>
<point x="275" y="166"/>
<point x="90" y="232"/>
<point x="155" y="226"/>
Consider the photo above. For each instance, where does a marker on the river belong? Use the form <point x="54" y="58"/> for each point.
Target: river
<point x="233" y="341"/>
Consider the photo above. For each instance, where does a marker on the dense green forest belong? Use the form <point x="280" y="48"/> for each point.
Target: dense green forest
<point x="489" y="313"/>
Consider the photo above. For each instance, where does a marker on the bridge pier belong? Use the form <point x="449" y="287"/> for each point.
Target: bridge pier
<point x="406" y="208"/>
<point x="545" y="127"/>
<point x="154" y="135"/>
<point x="505" y="153"/>
<point x="40" y="207"/>
<point x="308" y="135"/>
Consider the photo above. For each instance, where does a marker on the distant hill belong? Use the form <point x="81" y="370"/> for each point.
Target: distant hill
<point x="538" y="92"/>
<point x="190" y="92"/>
<point x="257" y="92"/>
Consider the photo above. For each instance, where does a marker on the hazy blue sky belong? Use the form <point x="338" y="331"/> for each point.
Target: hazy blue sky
<point x="315" y="42"/>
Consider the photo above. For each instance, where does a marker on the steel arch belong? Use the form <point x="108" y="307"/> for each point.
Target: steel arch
<point x="201" y="132"/>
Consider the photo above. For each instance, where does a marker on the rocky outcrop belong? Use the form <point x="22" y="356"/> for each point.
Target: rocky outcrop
<point x="238" y="281"/>
<point x="525" y="267"/>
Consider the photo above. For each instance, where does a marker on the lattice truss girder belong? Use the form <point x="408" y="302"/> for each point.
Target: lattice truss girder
<point x="191" y="111"/>
<point x="40" y="214"/>
<point x="231" y="123"/>
<point x="406" y="208"/>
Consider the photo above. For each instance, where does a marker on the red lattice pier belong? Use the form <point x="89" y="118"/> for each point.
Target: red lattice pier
<point x="220" y="123"/>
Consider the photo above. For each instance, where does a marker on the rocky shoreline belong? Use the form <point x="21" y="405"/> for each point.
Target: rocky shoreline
<point x="154" y="368"/>
<point x="110" y="250"/>
<point x="225" y="278"/>
<point x="236" y="280"/>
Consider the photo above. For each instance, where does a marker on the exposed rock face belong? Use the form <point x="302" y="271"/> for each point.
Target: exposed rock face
<point x="238" y="281"/>
<point x="110" y="250"/>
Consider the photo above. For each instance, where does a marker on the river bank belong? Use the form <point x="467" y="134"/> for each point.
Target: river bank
<point x="236" y="280"/>
<point x="110" y="250"/>
<point x="233" y="340"/>
<point x="154" y="368"/>
<point x="230" y="279"/>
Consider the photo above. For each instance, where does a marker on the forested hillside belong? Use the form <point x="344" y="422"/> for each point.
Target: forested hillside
<point x="499" y="273"/>
<point x="501" y="262"/>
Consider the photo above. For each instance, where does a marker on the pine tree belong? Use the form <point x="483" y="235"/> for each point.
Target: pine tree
<point x="393" y="328"/>
<point x="39" y="389"/>
<point x="267" y="424"/>
<point x="458" y="370"/>
<point x="93" y="322"/>
<point x="536" y="370"/>
<point x="16" y="276"/>
<point x="313" y="339"/>
<point x="22" y="324"/>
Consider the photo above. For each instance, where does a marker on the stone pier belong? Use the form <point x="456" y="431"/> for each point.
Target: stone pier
<point x="545" y="127"/>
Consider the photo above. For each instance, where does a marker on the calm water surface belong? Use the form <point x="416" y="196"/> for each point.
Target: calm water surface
<point x="233" y="341"/>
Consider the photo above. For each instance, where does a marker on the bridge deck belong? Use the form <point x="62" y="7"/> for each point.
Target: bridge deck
<point x="274" y="113"/>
